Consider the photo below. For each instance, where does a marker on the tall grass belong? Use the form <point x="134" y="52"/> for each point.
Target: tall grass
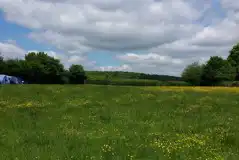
<point x="135" y="82"/>
<point x="113" y="122"/>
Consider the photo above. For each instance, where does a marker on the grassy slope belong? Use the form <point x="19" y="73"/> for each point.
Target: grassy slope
<point x="107" y="122"/>
<point x="129" y="75"/>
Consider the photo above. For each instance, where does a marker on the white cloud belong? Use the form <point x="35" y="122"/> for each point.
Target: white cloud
<point x="152" y="63"/>
<point x="9" y="49"/>
<point x="67" y="60"/>
<point x="70" y="44"/>
<point x="223" y="33"/>
<point x="150" y="58"/>
<point x="116" y="25"/>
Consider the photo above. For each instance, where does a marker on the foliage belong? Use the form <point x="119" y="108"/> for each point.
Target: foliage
<point x="45" y="69"/>
<point x="77" y="74"/>
<point x="129" y="75"/>
<point x="1" y="58"/>
<point x="114" y="122"/>
<point x="217" y="70"/>
<point x="1" y="63"/>
<point x="227" y="72"/>
<point x="39" y="68"/>
<point x="65" y="77"/>
<point x="118" y="78"/>
<point x="235" y="84"/>
<point x="229" y="83"/>
<point x="233" y="58"/>
<point x="192" y="74"/>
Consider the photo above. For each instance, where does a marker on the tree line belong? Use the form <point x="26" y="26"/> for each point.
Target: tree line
<point x="39" y="68"/>
<point x="129" y="75"/>
<point x="216" y="71"/>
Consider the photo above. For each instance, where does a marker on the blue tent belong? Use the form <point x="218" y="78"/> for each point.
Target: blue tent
<point x="15" y="80"/>
<point x="4" y="79"/>
<point x="20" y="80"/>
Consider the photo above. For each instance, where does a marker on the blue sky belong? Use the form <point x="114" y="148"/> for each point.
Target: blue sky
<point x="12" y="31"/>
<point x="148" y="36"/>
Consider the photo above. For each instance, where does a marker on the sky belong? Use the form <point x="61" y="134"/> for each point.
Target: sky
<point x="149" y="36"/>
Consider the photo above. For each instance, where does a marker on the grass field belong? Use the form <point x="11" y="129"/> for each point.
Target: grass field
<point x="118" y="123"/>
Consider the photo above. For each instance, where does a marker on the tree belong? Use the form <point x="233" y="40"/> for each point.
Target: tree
<point x="1" y="63"/>
<point x="65" y="77"/>
<point x="108" y="77"/>
<point x="13" y="67"/>
<point x="227" y="72"/>
<point x="217" y="70"/>
<point x="192" y="74"/>
<point x="40" y="68"/>
<point x="1" y="57"/>
<point x="43" y="68"/>
<point x="233" y="59"/>
<point x="77" y="74"/>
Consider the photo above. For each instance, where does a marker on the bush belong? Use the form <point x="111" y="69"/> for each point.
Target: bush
<point x="229" y="84"/>
<point x="192" y="74"/>
<point x="235" y="84"/>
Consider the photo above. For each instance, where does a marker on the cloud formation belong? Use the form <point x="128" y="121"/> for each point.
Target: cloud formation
<point x="169" y="33"/>
<point x="9" y="49"/>
<point x="115" y="25"/>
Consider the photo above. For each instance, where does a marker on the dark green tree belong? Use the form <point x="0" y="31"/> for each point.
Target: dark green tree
<point x="40" y="68"/>
<point x="192" y="74"/>
<point x="108" y="77"/>
<point x="233" y="59"/>
<point x="217" y="70"/>
<point x="1" y="57"/>
<point x="65" y="77"/>
<point x="1" y="63"/>
<point x="43" y="68"/>
<point x="13" y="67"/>
<point x="77" y="74"/>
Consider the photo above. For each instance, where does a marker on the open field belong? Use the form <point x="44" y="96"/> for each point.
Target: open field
<point x="56" y="122"/>
<point x="196" y="89"/>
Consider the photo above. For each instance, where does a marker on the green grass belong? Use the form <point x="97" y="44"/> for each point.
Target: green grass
<point x="124" y="82"/>
<point x="116" y="123"/>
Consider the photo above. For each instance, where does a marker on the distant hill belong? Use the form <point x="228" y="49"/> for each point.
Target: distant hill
<point x="129" y="75"/>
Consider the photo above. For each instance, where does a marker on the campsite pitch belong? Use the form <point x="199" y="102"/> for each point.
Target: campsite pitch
<point x="66" y="122"/>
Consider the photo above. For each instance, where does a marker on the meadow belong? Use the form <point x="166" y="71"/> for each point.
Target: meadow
<point x="90" y="122"/>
